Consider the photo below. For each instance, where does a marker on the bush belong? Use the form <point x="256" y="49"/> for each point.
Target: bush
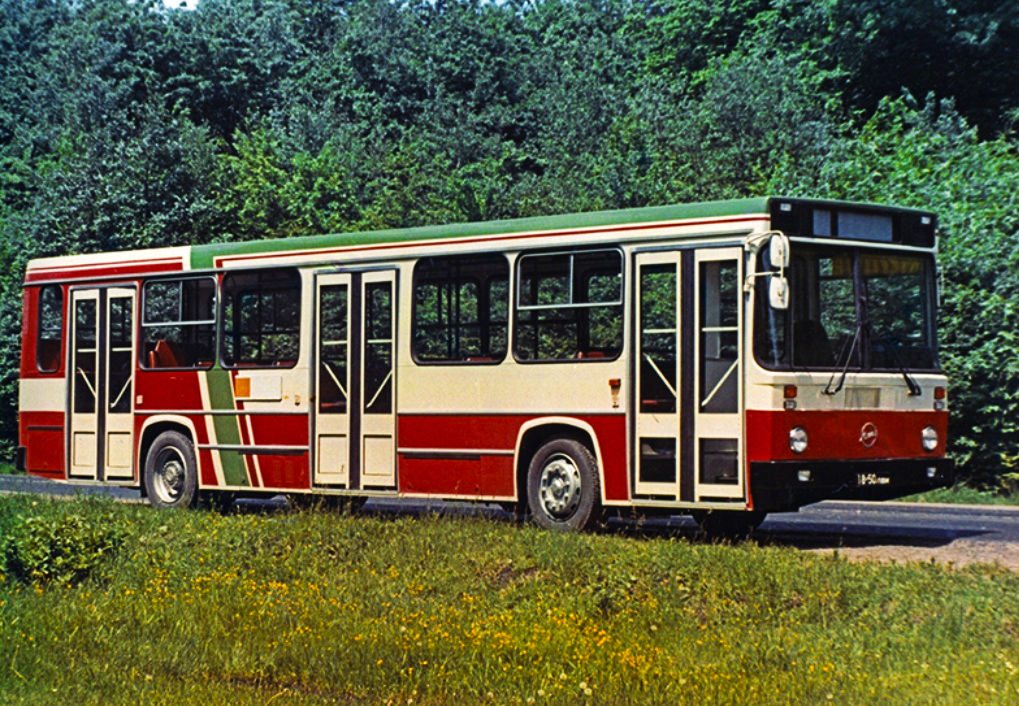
<point x="62" y="550"/>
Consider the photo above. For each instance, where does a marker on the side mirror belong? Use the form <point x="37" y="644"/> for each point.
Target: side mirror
<point x="778" y="292"/>
<point x="778" y="251"/>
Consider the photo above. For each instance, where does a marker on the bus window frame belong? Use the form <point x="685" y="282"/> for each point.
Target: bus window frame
<point x="40" y="329"/>
<point x="863" y="364"/>
<point x="579" y="356"/>
<point x="143" y="323"/>
<point x="221" y="329"/>
<point x="484" y="286"/>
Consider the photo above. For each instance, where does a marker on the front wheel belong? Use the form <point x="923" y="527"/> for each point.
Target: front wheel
<point x="171" y="471"/>
<point x="563" y="491"/>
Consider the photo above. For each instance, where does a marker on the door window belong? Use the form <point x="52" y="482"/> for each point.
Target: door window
<point x="719" y="337"/>
<point x="378" y="349"/>
<point x="85" y="356"/>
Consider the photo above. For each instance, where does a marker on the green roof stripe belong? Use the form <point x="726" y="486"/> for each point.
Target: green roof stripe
<point x="202" y="256"/>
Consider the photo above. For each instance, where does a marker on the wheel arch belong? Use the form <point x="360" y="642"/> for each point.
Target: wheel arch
<point x="535" y="433"/>
<point x="151" y="430"/>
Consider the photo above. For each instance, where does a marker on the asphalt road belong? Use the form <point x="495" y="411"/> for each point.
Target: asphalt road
<point x="825" y="525"/>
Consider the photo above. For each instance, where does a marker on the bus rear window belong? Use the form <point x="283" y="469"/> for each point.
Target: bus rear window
<point x="51" y="329"/>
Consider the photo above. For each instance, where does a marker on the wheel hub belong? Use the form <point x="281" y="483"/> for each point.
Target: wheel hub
<point x="560" y="486"/>
<point x="170" y="478"/>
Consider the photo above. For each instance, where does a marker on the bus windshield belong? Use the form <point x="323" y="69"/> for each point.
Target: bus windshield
<point x="851" y="309"/>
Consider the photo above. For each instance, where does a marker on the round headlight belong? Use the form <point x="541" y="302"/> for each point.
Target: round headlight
<point x="929" y="438"/>
<point x="798" y="440"/>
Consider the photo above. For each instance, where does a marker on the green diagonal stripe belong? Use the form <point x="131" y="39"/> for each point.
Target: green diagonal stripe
<point x="227" y="432"/>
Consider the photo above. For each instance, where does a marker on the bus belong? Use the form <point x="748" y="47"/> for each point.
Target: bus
<point x="724" y="359"/>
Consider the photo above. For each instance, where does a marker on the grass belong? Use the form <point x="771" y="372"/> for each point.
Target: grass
<point x="317" y="608"/>
<point x="964" y="495"/>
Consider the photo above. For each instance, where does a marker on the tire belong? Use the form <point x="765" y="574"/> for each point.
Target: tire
<point x="171" y="472"/>
<point x="732" y="525"/>
<point x="563" y="492"/>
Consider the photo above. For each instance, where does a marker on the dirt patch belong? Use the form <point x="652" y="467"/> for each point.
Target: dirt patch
<point x="961" y="552"/>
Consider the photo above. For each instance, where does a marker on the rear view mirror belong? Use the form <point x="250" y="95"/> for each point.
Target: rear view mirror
<point x="778" y="251"/>
<point x="778" y="292"/>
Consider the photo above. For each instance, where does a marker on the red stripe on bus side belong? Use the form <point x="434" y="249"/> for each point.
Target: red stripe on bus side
<point x="102" y="271"/>
<point x="491" y="475"/>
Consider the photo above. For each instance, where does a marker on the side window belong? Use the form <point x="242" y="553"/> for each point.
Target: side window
<point x="569" y="306"/>
<point x="50" y="329"/>
<point x="178" y="323"/>
<point x="261" y="319"/>
<point x="460" y="309"/>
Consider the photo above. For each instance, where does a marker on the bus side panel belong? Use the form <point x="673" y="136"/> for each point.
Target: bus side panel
<point x="29" y="334"/>
<point x="436" y="458"/>
<point x="480" y="476"/>
<point x="446" y="466"/>
<point x="611" y="433"/>
<point x="42" y="433"/>
<point x="283" y="472"/>
<point x="167" y="390"/>
<point x="839" y="435"/>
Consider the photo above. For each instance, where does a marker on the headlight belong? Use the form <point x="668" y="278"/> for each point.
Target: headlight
<point x="929" y="438"/>
<point x="798" y="440"/>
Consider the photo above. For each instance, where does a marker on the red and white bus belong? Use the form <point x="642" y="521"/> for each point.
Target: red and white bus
<point x="724" y="359"/>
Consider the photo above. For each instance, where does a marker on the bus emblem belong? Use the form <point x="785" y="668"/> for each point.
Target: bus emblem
<point x="868" y="434"/>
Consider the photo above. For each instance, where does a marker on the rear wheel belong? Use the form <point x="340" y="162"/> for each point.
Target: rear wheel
<point x="171" y="471"/>
<point x="563" y="492"/>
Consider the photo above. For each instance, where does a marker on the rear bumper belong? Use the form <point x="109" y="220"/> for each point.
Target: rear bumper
<point x="776" y="486"/>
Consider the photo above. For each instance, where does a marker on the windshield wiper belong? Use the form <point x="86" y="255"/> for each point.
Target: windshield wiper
<point x="838" y="361"/>
<point x="891" y="343"/>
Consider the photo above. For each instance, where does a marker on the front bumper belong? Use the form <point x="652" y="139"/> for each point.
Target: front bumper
<point x="777" y="486"/>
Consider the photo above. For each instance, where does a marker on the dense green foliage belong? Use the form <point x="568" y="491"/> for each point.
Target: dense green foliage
<point x="64" y="549"/>
<point x="322" y="608"/>
<point x="126" y="124"/>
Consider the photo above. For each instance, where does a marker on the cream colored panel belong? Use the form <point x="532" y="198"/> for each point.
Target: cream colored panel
<point x="379" y="452"/>
<point x="42" y="394"/>
<point x="118" y="450"/>
<point x="262" y="387"/>
<point x="84" y="449"/>
<point x="332" y="458"/>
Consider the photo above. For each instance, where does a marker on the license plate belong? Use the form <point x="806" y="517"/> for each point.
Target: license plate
<point x="872" y="479"/>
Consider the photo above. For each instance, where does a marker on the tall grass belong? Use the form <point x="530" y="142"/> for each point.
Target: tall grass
<point x="314" y="607"/>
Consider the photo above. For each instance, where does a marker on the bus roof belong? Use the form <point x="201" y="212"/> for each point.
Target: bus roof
<point x="202" y="257"/>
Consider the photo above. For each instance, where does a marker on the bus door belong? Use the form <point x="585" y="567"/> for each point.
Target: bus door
<point x="101" y="430"/>
<point x="688" y="374"/>
<point x="659" y="351"/>
<point x="718" y="378"/>
<point x="355" y="380"/>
